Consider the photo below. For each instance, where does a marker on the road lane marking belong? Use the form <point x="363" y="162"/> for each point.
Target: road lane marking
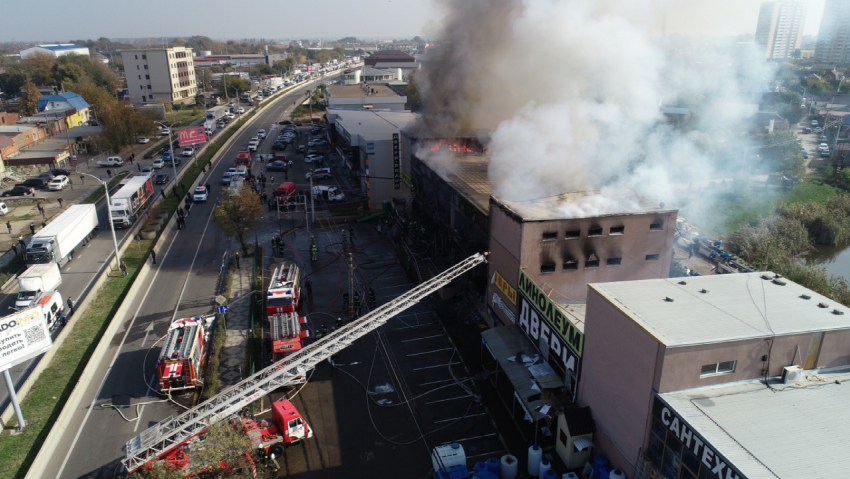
<point x="462" y="417"/>
<point x="449" y="399"/>
<point x="429" y="352"/>
<point x="423" y="337"/>
<point x="472" y="438"/>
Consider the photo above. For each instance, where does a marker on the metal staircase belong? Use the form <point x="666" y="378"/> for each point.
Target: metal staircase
<point x="175" y="431"/>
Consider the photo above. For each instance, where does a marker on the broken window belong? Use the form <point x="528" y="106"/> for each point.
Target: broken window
<point x="653" y="257"/>
<point x="573" y="234"/>
<point x="550" y="236"/>
<point x="570" y="264"/>
<point x="592" y="261"/>
<point x="613" y="261"/>
<point x="594" y="232"/>
<point x="656" y="226"/>
<point x="618" y="230"/>
<point x="547" y="267"/>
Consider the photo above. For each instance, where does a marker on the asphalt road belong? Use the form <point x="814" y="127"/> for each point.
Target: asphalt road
<point x="183" y="284"/>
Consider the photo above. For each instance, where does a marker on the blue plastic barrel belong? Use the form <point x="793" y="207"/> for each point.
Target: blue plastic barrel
<point x="600" y="467"/>
<point x="550" y="474"/>
<point x="494" y="465"/>
<point x="480" y="467"/>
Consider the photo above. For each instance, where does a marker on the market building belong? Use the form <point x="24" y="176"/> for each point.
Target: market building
<point x="717" y="377"/>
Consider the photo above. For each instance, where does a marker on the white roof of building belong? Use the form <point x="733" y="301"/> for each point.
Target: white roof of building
<point x="582" y="204"/>
<point x="722" y="308"/>
<point x="373" y="125"/>
<point x="789" y="431"/>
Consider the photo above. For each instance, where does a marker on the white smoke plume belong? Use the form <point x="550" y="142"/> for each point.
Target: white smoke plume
<point x="572" y="92"/>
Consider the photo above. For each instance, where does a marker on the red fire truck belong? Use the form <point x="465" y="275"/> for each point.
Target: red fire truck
<point x="284" y="291"/>
<point x="287" y="334"/>
<point x="243" y="158"/>
<point x="183" y="353"/>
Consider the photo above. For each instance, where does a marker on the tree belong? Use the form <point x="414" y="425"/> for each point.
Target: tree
<point x="843" y="179"/>
<point x="819" y="87"/>
<point x="412" y="92"/>
<point x="238" y="213"/>
<point x="793" y="113"/>
<point x="234" y="84"/>
<point x="29" y="99"/>
<point x="13" y="80"/>
<point x="40" y="67"/>
<point x="844" y="87"/>
<point x="98" y="98"/>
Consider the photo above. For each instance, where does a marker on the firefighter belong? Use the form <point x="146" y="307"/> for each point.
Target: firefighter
<point x="345" y="301"/>
<point x="274" y="244"/>
<point x="324" y="330"/>
<point x="314" y="252"/>
<point x="344" y="237"/>
<point x="372" y="300"/>
<point x="338" y="322"/>
<point x="357" y="302"/>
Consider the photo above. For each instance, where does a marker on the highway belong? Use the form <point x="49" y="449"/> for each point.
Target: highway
<point x="182" y="283"/>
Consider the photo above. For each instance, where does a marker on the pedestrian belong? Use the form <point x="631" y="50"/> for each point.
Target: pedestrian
<point x="182" y="187"/>
<point x="109" y="173"/>
<point x="15" y="249"/>
<point x="59" y="200"/>
<point x="236" y="257"/>
<point x="70" y="306"/>
<point x="43" y="224"/>
<point x="372" y="300"/>
<point x="180" y="212"/>
<point x="40" y="209"/>
<point x="309" y="285"/>
<point x="32" y="228"/>
<point x="314" y="252"/>
<point x="71" y="184"/>
<point x="357" y="302"/>
<point x="153" y="256"/>
<point x="208" y="188"/>
<point x="285" y="175"/>
<point x="351" y="233"/>
<point x="82" y="179"/>
<point x="21" y="242"/>
<point x="60" y="318"/>
<point x="132" y="157"/>
<point x="9" y="226"/>
<point x="123" y="267"/>
<point x="162" y="193"/>
<point x="138" y="166"/>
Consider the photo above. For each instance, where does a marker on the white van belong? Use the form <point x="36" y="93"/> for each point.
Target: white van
<point x="241" y="170"/>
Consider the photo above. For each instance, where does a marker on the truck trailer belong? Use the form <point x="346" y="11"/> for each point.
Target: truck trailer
<point x="33" y="282"/>
<point x="284" y="291"/>
<point x="183" y="353"/>
<point x="57" y="242"/>
<point x="129" y="201"/>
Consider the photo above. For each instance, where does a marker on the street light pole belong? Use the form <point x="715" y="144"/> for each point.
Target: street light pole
<point x="109" y="214"/>
<point x="171" y="148"/>
<point x="312" y="198"/>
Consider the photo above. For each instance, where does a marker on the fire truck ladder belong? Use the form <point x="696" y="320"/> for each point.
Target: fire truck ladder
<point x="172" y="432"/>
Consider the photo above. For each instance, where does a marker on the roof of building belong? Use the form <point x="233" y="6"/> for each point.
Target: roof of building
<point x="16" y="128"/>
<point x="357" y="91"/>
<point x="367" y="71"/>
<point x="61" y="46"/>
<point x="389" y="56"/>
<point x="723" y="308"/>
<point x="467" y="173"/>
<point x="581" y="204"/>
<point x="769" y="433"/>
<point x="73" y="99"/>
<point x="579" y="421"/>
<point x="372" y="124"/>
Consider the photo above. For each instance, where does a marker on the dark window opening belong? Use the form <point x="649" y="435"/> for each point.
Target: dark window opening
<point x="570" y="264"/>
<point x="550" y="236"/>
<point x="613" y="261"/>
<point x="592" y="261"/>
<point x="653" y="257"/>
<point x="618" y="230"/>
<point x="547" y="267"/>
<point x="563" y="437"/>
<point x="656" y="226"/>
<point x="594" y="232"/>
<point x="573" y="234"/>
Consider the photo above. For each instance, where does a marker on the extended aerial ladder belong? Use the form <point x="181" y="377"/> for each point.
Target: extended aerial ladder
<point x="173" y="432"/>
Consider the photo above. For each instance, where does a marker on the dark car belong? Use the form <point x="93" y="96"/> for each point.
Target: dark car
<point x="161" y="179"/>
<point x="279" y="146"/>
<point x="177" y="161"/>
<point x="46" y="176"/>
<point x="61" y="172"/>
<point x="298" y="123"/>
<point x="285" y="122"/>
<point x="37" y="183"/>
<point x="300" y="148"/>
<point x="277" y="166"/>
<point x="19" y="190"/>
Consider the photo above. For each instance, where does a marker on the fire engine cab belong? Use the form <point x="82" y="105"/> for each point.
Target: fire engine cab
<point x="183" y="353"/>
<point x="284" y="291"/>
<point x="287" y="427"/>
<point x="287" y="334"/>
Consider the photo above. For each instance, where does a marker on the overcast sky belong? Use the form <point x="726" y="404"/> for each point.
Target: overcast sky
<point x="59" y="20"/>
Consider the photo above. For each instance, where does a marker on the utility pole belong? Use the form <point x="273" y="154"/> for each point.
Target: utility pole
<point x="351" y="269"/>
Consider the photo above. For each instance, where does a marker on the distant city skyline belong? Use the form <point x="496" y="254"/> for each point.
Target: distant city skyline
<point x="328" y="19"/>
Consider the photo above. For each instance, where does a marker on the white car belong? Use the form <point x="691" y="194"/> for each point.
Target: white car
<point x="144" y="139"/>
<point x="158" y="163"/>
<point x="318" y="174"/>
<point x="188" y="151"/>
<point x="261" y="134"/>
<point x="240" y="110"/>
<point x="201" y="194"/>
<point x="253" y="145"/>
<point x="312" y="158"/>
<point x="164" y="132"/>
<point x="58" y="183"/>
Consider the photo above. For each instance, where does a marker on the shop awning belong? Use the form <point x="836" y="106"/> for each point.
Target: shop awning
<point x="581" y="443"/>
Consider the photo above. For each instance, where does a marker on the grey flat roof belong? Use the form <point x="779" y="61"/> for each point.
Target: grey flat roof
<point x="791" y="431"/>
<point x="371" y="124"/>
<point x="580" y="204"/>
<point x="356" y="91"/>
<point x="734" y="307"/>
<point x="468" y="174"/>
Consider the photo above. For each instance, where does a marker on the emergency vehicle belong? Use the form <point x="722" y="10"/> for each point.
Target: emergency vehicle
<point x="287" y="334"/>
<point x="284" y="291"/>
<point x="183" y="353"/>
<point x="243" y="158"/>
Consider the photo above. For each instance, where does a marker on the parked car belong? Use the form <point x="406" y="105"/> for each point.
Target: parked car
<point x="254" y="145"/>
<point x="37" y="183"/>
<point x="261" y="133"/>
<point x="805" y="154"/>
<point x="161" y="179"/>
<point x="806" y="130"/>
<point x="240" y="110"/>
<point x="285" y="122"/>
<point x="4" y="210"/>
<point x="279" y="146"/>
<point x="298" y="123"/>
<point x="317" y="142"/>
<point x="319" y="174"/>
<point x="111" y="161"/>
<point x="814" y="123"/>
<point x="226" y="178"/>
<point x="19" y="190"/>
<point x="143" y="140"/>
<point x="146" y="171"/>
<point x="58" y="183"/>
<point x="188" y="151"/>
<point x="822" y="138"/>
<point x="300" y="148"/>
<point x="164" y="132"/>
<point x="48" y="177"/>
<point x="314" y="157"/>
<point x="220" y="124"/>
<point x="277" y="166"/>
<point x="201" y="194"/>
<point x="818" y="130"/>
<point x="61" y="171"/>
<point x="158" y="163"/>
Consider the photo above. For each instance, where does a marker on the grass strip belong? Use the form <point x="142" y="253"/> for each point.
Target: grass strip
<point x="212" y="383"/>
<point x="51" y="390"/>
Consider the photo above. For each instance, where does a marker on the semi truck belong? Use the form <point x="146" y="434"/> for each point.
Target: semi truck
<point x="287" y="334"/>
<point x="37" y="279"/>
<point x="284" y="291"/>
<point x="126" y="204"/>
<point x="57" y="242"/>
<point x="183" y="353"/>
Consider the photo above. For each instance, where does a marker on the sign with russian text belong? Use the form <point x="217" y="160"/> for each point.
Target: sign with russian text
<point x="396" y="163"/>
<point x="497" y="301"/>
<point x="504" y="287"/>
<point x="556" y="318"/>
<point x="540" y="331"/>
<point x="23" y="335"/>
<point x="192" y="136"/>
<point x="713" y="462"/>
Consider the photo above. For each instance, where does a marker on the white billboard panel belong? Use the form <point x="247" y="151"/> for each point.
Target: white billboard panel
<point x="23" y="335"/>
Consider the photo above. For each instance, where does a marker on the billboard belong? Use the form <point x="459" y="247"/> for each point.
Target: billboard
<point x="23" y="335"/>
<point x="191" y="136"/>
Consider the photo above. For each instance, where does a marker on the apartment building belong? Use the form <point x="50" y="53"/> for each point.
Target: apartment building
<point x="833" y="46"/>
<point x="160" y="75"/>
<point x="780" y="27"/>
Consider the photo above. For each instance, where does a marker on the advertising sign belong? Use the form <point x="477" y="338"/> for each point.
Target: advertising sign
<point x="504" y="287"/>
<point x="497" y="301"/>
<point x="396" y="162"/>
<point x="532" y="322"/>
<point x="191" y="136"/>
<point x="552" y="314"/>
<point x="23" y="335"/>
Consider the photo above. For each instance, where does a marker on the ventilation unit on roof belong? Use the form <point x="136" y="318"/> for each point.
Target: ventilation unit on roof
<point x="792" y="374"/>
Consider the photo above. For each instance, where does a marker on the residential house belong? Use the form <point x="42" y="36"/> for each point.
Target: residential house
<point x="74" y="107"/>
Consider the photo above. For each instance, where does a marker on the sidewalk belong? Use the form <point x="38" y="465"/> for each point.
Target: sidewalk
<point x="234" y="355"/>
